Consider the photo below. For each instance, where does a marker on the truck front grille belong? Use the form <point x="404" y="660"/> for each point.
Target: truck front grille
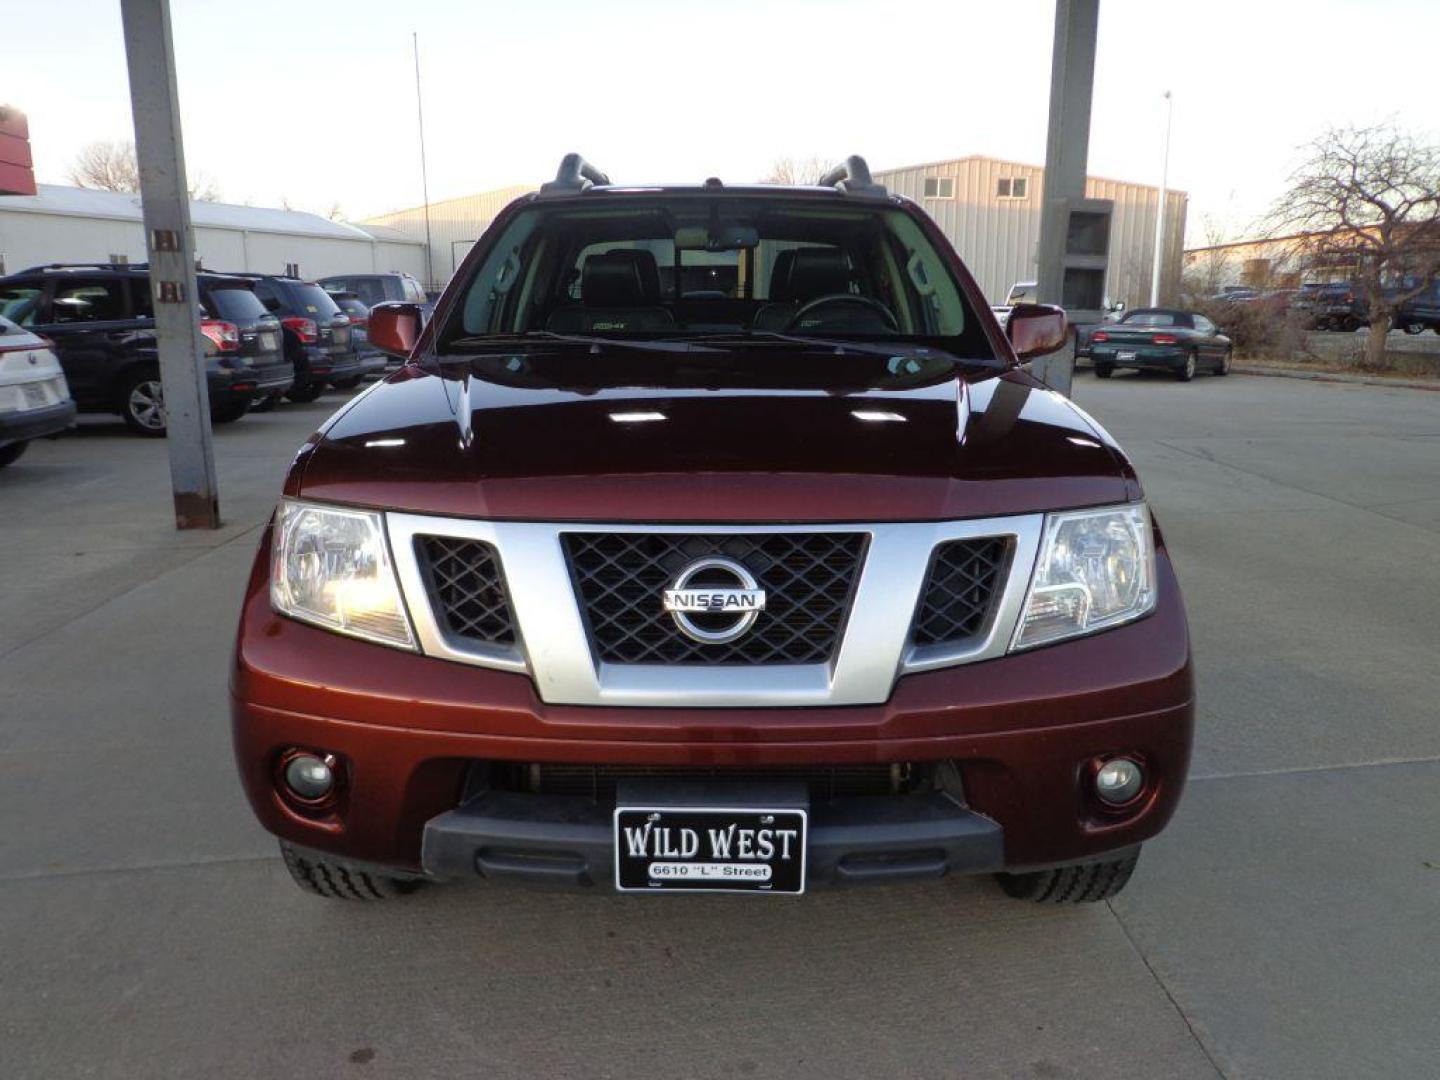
<point x="960" y="590"/>
<point x="809" y="581"/>
<point x="467" y="589"/>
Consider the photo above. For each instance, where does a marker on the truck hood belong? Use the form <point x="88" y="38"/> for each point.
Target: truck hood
<point x="760" y="439"/>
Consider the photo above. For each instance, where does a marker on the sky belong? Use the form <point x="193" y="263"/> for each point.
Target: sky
<point x="312" y="102"/>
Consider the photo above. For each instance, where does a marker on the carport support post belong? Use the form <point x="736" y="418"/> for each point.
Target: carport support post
<point x="1067" y="149"/>
<point x="170" y="244"/>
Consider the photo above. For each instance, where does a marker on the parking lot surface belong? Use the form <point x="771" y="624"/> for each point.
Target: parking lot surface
<point x="1286" y="925"/>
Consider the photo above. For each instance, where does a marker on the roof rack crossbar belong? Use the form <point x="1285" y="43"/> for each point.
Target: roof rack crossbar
<point x="574" y="176"/>
<point x="852" y="177"/>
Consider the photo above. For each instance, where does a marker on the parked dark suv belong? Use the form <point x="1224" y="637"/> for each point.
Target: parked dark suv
<point x="373" y="361"/>
<point x="102" y="321"/>
<point x="317" y="334"/>
<point x="776" y="574"/>
<point x="375" y="289"/>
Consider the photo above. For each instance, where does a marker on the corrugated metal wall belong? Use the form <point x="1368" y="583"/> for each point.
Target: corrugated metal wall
<point x="998" y="237"/>
<point x="455" y="225"/>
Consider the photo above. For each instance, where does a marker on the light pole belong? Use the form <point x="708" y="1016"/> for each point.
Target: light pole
<point x="1160" y="209"/>
<point x="424" y="175"/>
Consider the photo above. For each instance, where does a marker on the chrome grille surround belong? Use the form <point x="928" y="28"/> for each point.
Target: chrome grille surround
<point x="874" y="649"/>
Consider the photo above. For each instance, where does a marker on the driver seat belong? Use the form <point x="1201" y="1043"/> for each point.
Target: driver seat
<point x="808" y="274"/>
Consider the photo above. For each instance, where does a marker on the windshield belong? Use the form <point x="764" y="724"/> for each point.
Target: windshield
<point x="695" y="267"/>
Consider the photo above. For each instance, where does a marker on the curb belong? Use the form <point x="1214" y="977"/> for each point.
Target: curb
<point x="1337" y="377"/>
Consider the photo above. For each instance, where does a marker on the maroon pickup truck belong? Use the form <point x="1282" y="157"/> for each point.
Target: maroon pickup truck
<point x="712" y="539"/>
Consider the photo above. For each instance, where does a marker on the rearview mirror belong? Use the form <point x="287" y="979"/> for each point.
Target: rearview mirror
<point x="1035" y="329"/>
<point x="395" y="327"/>
<point x="717" y="238"/>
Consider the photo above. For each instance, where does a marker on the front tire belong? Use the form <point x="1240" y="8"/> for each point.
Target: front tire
<point x="1414" y="328"/>
<point x="1224" y="368"/>
<point x="1082" y="884"/>
<point x="142" y="404"/>
<point x="348" y="383"/>
<point x="1186" y="371"/>
<point x="10" y="453"/>
<point x="1104" y="371"/>
<point x="335" y="881"/>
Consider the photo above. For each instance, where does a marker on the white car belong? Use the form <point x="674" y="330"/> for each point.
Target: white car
<point x="34" y="397"/>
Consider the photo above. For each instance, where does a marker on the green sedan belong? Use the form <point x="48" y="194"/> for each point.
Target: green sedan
<point x="1163" y="339"/>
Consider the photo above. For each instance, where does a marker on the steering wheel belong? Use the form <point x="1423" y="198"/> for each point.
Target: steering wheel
<point x="809" y="308"/>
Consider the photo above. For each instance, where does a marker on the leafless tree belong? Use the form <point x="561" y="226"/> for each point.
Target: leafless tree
<point x="106" y="164"/>
<point x="336" y="212"/>
<point x="111" y="165"/>
<point x="1368" y="198"/>
<point x="797" y="170"/>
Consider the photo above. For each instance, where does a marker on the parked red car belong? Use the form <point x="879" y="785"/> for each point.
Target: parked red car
<point x="712" y="538"/>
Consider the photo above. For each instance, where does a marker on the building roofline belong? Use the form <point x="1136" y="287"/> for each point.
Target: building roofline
<point x="1023" y="165"/>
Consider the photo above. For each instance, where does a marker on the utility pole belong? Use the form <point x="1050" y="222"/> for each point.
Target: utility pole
<point x="424" y="176"/>
<point x="1160" y="210"/>
<point x="1067" y="149"/>
<point x="170" y="244"/>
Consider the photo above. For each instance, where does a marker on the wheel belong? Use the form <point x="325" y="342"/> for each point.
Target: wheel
<point x="266" y="403"/>
<point x="1083" y="884"/>
<point x="1104" y="371"/>
<point x="10" y="453"/>
<point x="1414" y="328"/>
<point x="1187" y="372"/>
<point x="335" y="881"/>
<point x="142" y="404"/>
<point x="229" y="411"/>
<point x="1224" y="368"/>
<point x="348" y="384"/>
<point x="306" y="393"/>
<point x="1348" y="325"/>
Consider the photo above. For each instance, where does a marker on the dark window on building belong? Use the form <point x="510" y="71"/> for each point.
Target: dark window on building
<point x="1083" y="289"/>
<point x="1012" y="187"/>
<point x="939" y="187"/>
<point x="1087" y="233"/>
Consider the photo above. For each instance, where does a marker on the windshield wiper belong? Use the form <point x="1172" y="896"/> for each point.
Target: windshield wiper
<point x="888" y="349"/>
<point x="596" y="343"/>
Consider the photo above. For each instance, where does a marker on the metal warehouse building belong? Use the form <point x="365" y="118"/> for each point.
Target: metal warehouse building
<point x="455" y="225"/>
<point x="990" y="210"/>
<point x="65" y="224"/>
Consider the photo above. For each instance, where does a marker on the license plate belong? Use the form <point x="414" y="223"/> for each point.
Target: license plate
<point x="1123" y="356"/>
<point x="35" y="396"/>
<point x="709" y="849"/>
<point x="267" y="342"/>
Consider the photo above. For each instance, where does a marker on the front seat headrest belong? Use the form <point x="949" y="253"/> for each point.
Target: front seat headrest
<point x="622" y="278"/>
<point x="818" y="272"/>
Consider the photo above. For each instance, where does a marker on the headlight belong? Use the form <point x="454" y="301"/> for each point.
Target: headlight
<point x="332" y="567"/>
<point x="1096" y="570"/>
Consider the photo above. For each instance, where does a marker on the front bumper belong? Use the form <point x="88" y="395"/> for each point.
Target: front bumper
<point x="36" y="423"/>
<point x="1022" y="730"/>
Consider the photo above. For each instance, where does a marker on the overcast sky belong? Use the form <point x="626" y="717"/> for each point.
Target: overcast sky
<point x="315" y="101"/>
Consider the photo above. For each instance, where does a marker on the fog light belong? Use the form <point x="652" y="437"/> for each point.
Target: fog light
<point x="1119" y="780"/>
<point x="309" y="777"/>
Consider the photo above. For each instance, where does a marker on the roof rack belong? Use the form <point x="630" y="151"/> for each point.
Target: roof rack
<point x="83" y="266"/>
<point x="574" y="176"/>
<point x="852" y="177"/>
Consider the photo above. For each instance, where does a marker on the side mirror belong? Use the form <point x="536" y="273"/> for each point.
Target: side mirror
<point x="1035" y="329"/>
<point x="395" y="327"/>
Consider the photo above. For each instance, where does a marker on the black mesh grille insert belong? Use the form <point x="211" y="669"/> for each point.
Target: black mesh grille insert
<point x="808" y="580"/>
<point x="467" y="589"/>
<point x="964" y="580"/>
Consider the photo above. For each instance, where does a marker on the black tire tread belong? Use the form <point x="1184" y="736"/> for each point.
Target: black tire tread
<point x="1086" y="883"/>
<point x="335" y="881"/>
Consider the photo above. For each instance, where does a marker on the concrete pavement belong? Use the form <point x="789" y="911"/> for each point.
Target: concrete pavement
<point x="1287" y="925"/>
